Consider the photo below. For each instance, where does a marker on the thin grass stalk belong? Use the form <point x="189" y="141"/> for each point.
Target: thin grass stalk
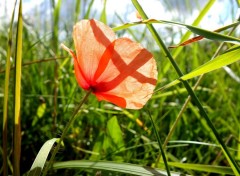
<point x="128" y="29"/>
<point x="87" y="14"/>
<point x="160" y="146"/>
<point x="17" y="96"/>
<point x="36" y="62"/>
<point x="6" y="92"/>
<point x="77" y="10"/>
<point x="238" y="154"/>
<point x="103" y="17"/>
<point x="56" y="15"/>
<point x="68" y="125"/>
<point x="161" y="44"/>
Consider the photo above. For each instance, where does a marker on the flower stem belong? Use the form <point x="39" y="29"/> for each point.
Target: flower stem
<point x="68" y="125"/>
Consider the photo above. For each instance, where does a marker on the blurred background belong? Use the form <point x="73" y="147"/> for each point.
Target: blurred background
<point x="103" y="131"/>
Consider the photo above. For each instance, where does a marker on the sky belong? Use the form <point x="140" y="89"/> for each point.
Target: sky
<point x="175" y="10"/>
<point x="154" y="8"/>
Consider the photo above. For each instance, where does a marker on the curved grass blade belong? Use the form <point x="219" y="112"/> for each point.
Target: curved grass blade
<point x="112" y="166"/>
<point x="17" y="95"/>
<point x="230" y="56"/>
<point x="198" y="38"/>
<point x="41" y="158"/>
<point x="203" y="168"/>
<point x="196" y="30"/>
<point x="5" y="95"/>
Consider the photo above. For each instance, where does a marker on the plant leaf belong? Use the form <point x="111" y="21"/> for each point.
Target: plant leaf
<point x="41" y="158"/>
<point x="6" y="95"/>
<point x="199" y="37"/>
<point x="112" y="166"/>
<point x="203" y="168"/>
<point x="17" y="94"/>
<point x="199" y="31"/>
<point x="230" y="56"/>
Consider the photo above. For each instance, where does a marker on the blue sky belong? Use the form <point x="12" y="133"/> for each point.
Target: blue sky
<point x="222" y="13"/>
<point x="219" y="14"/>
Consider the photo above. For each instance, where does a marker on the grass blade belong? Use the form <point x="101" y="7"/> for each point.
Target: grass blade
<point x="41" y="158"/>
<point x="230" y="56"/>
<point x="112" y="166"/>
<point x="6" y="90"/>
<point x="87" y="14"/>
<point x="103" y="17"/>
<point x="161" y="44"/>
<point x="55" y="45"/>
<point x="17" y="95"/>
<point x="196" y="30"/>
<point x="77" y="10"/>
<point x="203" y="168"/>
<point x="160" y="146"/>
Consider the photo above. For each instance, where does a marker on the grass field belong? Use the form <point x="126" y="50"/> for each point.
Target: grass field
<point x="39" y="94"/>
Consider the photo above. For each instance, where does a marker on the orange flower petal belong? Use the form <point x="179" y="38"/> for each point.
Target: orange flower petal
<point x="78" y="73"/>
<point x="121" y="102"/>
<point x="119" y="71"/>
<point x="126" y="70"/>
<point x="91" y="38"/>
<point x="80" y="76"/>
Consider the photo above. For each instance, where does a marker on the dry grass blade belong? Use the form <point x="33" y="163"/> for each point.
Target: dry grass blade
<point x="6" y="91"/>
<point x="17" y="95"/>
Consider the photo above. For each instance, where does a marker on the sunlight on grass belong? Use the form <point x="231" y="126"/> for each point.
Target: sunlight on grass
<point x="47" y="131"/>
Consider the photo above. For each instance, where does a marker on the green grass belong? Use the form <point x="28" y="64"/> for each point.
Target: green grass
<point x="104" y="137"/>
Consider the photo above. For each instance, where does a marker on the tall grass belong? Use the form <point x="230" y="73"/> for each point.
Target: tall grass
<point x="104" y="138"/>
<point x="6" y="97"/>
<point x="204" y="114"/>
<point x="17" y="94"/>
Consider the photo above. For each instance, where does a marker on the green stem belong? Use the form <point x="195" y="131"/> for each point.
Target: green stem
<point x="68" y="125"/>
<point x="161" y="44"/>
<point x="160" y="146"/>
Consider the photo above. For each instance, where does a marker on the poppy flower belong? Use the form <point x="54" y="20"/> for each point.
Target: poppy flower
<point x="119" y="70"/>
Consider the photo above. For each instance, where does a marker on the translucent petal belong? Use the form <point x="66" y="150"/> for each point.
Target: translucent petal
<point x="126" y="70"/>
<point x="78" y="73"/>
<point x="91" y="38"/>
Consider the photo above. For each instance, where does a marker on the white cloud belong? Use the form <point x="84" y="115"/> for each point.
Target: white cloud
<point x="7" y="6"/>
